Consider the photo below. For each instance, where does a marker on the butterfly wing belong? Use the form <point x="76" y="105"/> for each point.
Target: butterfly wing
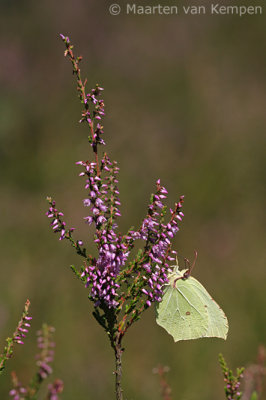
<point x="187" y="311"/>
<point x="217" y="320"/>
<point x="181" y="313"/>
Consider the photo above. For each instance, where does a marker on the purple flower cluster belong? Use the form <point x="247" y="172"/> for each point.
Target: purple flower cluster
<point x="232" y="388"/>
<point x="23" y="326"/>
<point x="18" y="392"/>
<point x="102" y="285"/>
<point x="113" y="249"/>
<point x="158" y="238"/>
<point x="103" y="201"/>
<point x="100" y="277"/>
<point x="232" y="391"/>
<point x="54" y="388"/>
<point x="46" y="355"/>
<point x="44" y="358"/>
<point x="57" y="224"/>
<point x="96" y="195"/>
<point x="22" y="330"/>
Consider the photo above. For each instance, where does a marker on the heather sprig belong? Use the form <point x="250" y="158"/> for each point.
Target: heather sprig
<point x="46" y="355"/>
<point x="166" y="390"/>
<point x="54" y="389"/>
<point x="106" y="275"/>
<point x="232" y="383"/>
<point x="18" y="392"/>
<point x="253" y="377"/>
<point x="44" y="358"/>
<point x="121" y="289"/>
<point x="58" y="225"/>
<point x="17" y="337"/>
<point x="91" y="115"/>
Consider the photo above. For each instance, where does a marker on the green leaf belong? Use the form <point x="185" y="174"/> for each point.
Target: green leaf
<point x="187" y="311"/>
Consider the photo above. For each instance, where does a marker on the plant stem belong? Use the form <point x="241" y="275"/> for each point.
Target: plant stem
<point x="118" y="371"/>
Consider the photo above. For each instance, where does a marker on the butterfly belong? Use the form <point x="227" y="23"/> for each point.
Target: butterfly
<point x="187" y="311"/>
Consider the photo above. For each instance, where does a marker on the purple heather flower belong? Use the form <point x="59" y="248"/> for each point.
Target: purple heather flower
<point x="57" y="224"/>
<point x="56" y="387"/>
<point x="46" y="355"/>
<point x="23" y="326"/>
<point x="88" y="219"/>
<point x="101" y="277"/>
<point x="65" y="38"/>
<point x="103" y="197"/>
<point x="101" y="219"/>
<point x="157" y="234"/>
<point x="87" y="202"/>
<point x="18" y="393"/>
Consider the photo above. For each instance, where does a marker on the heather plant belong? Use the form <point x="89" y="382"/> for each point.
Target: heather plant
<point x="122" y="285"/>
<point x="17" y="337"/>
<point x="251" y="378"/>
<point x="232" y="383"/>
<point x="44" y="359"/>
<point x="166" y="391"/>
<point x="254" y="377"/>
<point x="120" y="288"/>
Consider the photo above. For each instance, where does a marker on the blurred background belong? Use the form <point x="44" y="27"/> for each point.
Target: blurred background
<point x="185" y="100"/>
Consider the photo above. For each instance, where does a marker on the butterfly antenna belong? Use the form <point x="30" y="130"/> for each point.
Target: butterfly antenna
<point x="195" y="259"/>
<point x="190" y="267"/>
